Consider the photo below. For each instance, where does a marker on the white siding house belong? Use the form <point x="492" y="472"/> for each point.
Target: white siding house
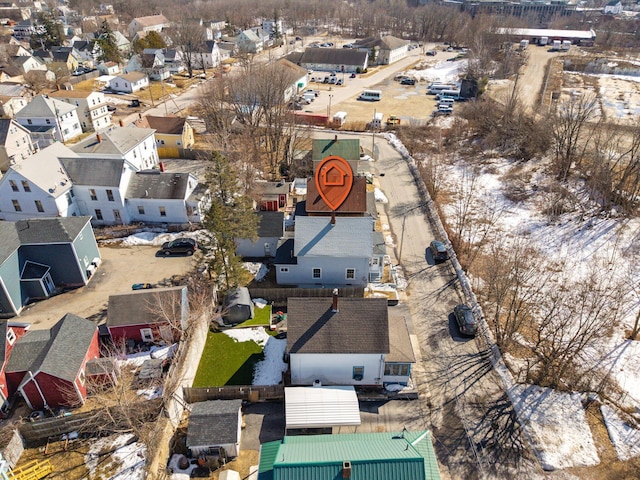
<point x="326" y="254"/>
<point x="44" y="112"/>
<point x="15" y="143"/>
<point x="129" y="82"/>
<point x="92" y="108"/>
<point x="38" y="187"/>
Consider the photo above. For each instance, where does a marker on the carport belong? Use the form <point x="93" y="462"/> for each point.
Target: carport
<point x="320" y="407"/>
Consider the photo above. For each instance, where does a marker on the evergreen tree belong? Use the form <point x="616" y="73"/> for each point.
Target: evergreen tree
<point x="107" y="43"/>
<point x="49" y="34"/>
<point x="229" y="217"/>
<point x="151" y="40"/>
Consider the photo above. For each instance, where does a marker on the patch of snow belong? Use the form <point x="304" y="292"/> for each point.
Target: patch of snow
<point x="178" y="473"/>
<point x="127" y="459"/>
<point x="394" y="387"/>
<point x="258" y="269"/>
<point x="556" y="426"/>
<point x="153" y="238"/>
<point x="625" y="438"/>
<point x="136" y="359"/>
<point x="150" y="393"/>
<point x="269" y="370"/>
<point x="163" y="352"/>
<point x="260" y="302"/>
<point x="380" y="197"/>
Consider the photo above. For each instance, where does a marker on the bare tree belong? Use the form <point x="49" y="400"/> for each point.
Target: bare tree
<point x="568" y="124"/>
<point x="189" y="38"/>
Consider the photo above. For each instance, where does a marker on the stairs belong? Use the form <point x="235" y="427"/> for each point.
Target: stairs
<point x="34" y="470"/>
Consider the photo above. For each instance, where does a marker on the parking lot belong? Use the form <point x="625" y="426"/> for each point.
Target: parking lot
<point x="121" y="267"/>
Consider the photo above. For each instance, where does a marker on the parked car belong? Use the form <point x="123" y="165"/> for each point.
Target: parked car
<point x="347" y="45"/>
<point x="333" y="74"/>
<point x="311" y="90"/>
<point x="333" y="80"/>
<point x="111" y="108"/>
<point x="339" y="81"/>
<point x="439" y="251"/>
<point x="408" y="81"/>
<point x="141" y="286"/>
<point x="353" y="75"/>
<point x="180" y="245"/>
<point x="432" y="53"/>
<point x="326" y="79"/>
<point x="466" y="320"/>
<point x="134" y="103"/>
<point x="299" y="39"/>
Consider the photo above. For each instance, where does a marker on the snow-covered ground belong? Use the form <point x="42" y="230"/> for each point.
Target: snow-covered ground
<point x="269" y="370"/>
<point x="124" y="457"/>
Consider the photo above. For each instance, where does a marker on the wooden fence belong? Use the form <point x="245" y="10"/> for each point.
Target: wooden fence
<point x="52" y="427"/>
<point x="243" y="392"/>
<point x="280" y="295"/>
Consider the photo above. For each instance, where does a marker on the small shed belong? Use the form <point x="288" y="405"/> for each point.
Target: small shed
<point x="238" y="306"/>
<point x="215" y="424"/>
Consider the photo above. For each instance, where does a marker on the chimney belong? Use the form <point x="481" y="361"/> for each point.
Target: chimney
<point x="161" y="165"/>
<point x="121" y="123"/>
<point x="335" y="137"/>
<point x="139" y="115"/>
<point x="334" y="308"/>
<point x="346" y="469"/>
<point x="333" y="217"/>
<point x="98" y="138"/>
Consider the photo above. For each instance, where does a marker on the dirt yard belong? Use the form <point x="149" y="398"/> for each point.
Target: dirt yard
<point x="121" y="267"/>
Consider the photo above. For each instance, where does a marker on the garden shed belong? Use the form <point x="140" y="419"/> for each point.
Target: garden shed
<point x="215" y="424"/>
<point x="238" y="306"/>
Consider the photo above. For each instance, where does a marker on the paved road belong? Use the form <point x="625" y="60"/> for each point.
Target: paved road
<point x="476" y="435"/>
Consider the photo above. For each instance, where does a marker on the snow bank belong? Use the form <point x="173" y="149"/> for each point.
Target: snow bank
<point x="556" y="425"/>
<point x="127" y="460"/>
<point x="269" y="370"/>
<point x="380" y="197"/>
<point x="625" y="438"/>
<point x="260" y="302"/>
<point x="258" y="269"/>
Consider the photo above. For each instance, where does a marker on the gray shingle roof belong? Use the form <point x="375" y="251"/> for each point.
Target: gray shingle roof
<point x="333" y="56"/>
<point x="43" y="107"/>
<point x="270" y="224"/>
<point x="50" y="230"/>
<point x="59" y="351"/>
<point x="159" y="185"/>
<point x="102" y="173"/>
<point x="360" y="325"/>
<point x="214" y="422"/>
<point x="137" y="307"/>
<point x="5" y="123"/>
<point x="9" y="240"/>
<point x="117" y="141"/>
<point x="348" y="237"/>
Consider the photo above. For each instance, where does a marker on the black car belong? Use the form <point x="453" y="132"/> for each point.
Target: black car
<point x="408" y="81"/>
<point x="439" y="251"/>
<point x="466" y="320"/>
<point x="180" y="245"/>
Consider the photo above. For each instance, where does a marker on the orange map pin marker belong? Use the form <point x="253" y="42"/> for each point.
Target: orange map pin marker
<point x="334" y="179"/>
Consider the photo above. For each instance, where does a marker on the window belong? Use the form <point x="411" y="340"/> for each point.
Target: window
<point x="396" y="369"/>
<point x="11" y="336"/>
<point x="48" y="121"/>
<point x="358" y="373"/>
<point x="135" y="155"/>
<point x="14" y="185"/>
<point x="98" y="214"/>
<point x="81" y="377"/>
<point x="350" y="273"/>
<point x="29" y="121"/>
<point x="140" y="210"/>
<point x="65" y="131"/>
<point x="17" y="143"/>
<point x="163" y="212"/>
<point x="93" y="194"/>
<point x="317" y="273"/>
<point x="39" y="206"/>
<point x="16" y="205"/>
<point x="146" y="334"/>
<point x="284" y="269"/>
<point x="69" y="198"/>
<point x="161" y="142"/>
<point x="110" y="195"/>
<point x="25" y="186"/>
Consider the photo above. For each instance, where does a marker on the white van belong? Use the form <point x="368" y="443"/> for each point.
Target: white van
<point x="446" y="101"/>
<point x="435" y="88"/>
<point x="371" y="95"/>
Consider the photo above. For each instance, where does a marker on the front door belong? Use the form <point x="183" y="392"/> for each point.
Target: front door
<point x="116" y="216"/>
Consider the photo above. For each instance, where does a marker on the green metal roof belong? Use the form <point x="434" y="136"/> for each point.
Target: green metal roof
<point x="398" y="455"/>
<point x="349" y="149"/>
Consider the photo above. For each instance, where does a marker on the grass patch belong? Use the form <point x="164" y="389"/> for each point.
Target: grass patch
<point x="227" y="362"/>
<point x="261" y="317"/>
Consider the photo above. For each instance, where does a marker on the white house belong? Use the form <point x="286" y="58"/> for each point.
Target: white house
<point x="346" y="341"/>
<point x="50" y="113"/>
<point x="386" y="50"/>
<point x="15" y="143"/>
<point x="270" y="231"/>
<point x="163" y="197"/>
<point x="614" y="7"/>
<point x="9" y="105"/>
<point x="99" y="187"/>
<point x="326" y="253"/>
<point x="209" y="57"/>
<point x="249" y="42"/>
<point x="151" y="23"/>
<point x="135" y="145"/>
<point x="129" y="82"/>
<point x="108" y="68"/>
<point x="38" y="186"/>
<point x="92" y="108"/>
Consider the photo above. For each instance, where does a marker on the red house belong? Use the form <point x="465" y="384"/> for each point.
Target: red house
<point x="47" y="367"/>
<point x="148" y="316"/>
<point x="10" y="333"/>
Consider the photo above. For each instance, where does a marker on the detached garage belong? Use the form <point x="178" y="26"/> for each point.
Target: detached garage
<point x="321" y="407"/>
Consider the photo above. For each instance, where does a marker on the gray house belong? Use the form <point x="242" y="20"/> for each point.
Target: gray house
<point x="215" y="424"/>
<point x="331" y="59"/>
<point x="270" y="231"/>
<point x="40" y="257"/>
<point x="326" y="252"/>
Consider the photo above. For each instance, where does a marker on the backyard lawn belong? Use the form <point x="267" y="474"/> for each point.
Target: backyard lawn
<point x="261" y="317"/>
<point x="227" y="362"/>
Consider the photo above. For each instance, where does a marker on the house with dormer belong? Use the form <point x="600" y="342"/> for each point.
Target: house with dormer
<point x="248" y="42"/>
<point x="15" y="143"/>
<point x="92" y="108"/>
<point x="10" y="332"/>
<point x="38" y="187"/>
<point x="43" y="114"/>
